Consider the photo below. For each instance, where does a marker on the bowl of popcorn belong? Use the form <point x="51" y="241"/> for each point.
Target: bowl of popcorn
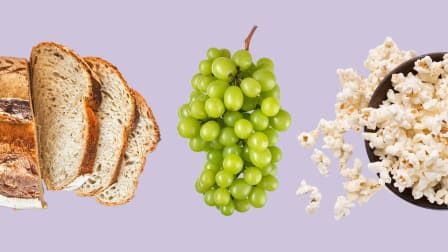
<point x="402" y="105"/>
<point x="406" y="130"/>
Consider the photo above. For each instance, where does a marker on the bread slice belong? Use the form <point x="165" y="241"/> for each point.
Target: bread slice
<point x="20" y="177"/>
<point x="116" y="116"/>
<point x="65" y="95"/>
<point x="143" y="139"/>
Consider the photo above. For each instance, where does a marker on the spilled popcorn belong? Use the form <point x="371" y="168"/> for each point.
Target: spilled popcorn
<point x="409" y="120"/>
<point x="315" y="196"/>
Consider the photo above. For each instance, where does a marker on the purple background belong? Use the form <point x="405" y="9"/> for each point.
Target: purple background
<point x="157" y="46"/>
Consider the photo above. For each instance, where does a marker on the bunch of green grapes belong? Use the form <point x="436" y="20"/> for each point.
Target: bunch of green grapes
<point x="234" y="115"/>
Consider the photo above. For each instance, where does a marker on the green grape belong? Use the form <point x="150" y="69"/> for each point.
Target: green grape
<point x="210" y="130"/>
<point x="266" y="64"/>
<point x="195" y="81"/>
<point x="270" y="106"/>
<point x="260" y="158"/>
<point x="224" y="178"/>
<point x="240" y="189"/>
<point x="257" y="197"/>
<point x="265" y="78"/>
<point x="214" y="107"/>
<point x="250" y="87"/>
<point x="188" y="127"/>
<point x="269" y="183"/>
<point x="214" y="156"/>
<point x="276" y="154"/>
<point x="259" y="120"/>
<point x="243" y="128"/>
<point x="210" y="166"/>
<point x="272" y="136"/>
<point x="233" y="115"/>
<point x="245" y="153"/>
<point x="252" y="175"/>
<point x="233" y="164"/>
<point x="204" y="82"/>
<point x="184" y="111"/>
<point x="197" y="144"/>
<point x="242" y="206"/>
<point x="224" y="68"/>
<point x="230" y="117"/>
<point x="213" y="53"/>
<point x="217" y="88"/>
<point x="250" y="103"/>
<point x="228" y="137"/>
<point x="233" y="98"/>
<point x="228" y="209"/>
<point x="197" y="110"/>
<point x="195" y="95"/>
<point x="221" y="197"/>
<point x="205" y="67"/>
<point x="243" y="59"/>
<point x="225" y="53"/>
<point x="274" y="171"/>
<point x="215" y="144"/>
<point x="209" y="197"/>
<point x="274" y="92"/>
<point x="232" y="149"/>
<point x="281" y="121"/>
<point x="207" y="178"/>
<point x="258" y="141"/>
<point x="267" y="170"/>
<point x="200" y="188"/>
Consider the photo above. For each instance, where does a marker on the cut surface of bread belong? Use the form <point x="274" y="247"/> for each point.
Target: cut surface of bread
<point x="65" y="95"/>
<point x="116" y="116"/>
<point x="20" y="177"/>
<point x="143" y="139"/>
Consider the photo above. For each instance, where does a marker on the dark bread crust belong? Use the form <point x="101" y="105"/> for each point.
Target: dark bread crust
<point x="18" y="147"/>
<point x="92" y="103"/>
<point x="91" y="61"/>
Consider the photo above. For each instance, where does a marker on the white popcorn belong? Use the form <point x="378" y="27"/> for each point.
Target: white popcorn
<point x="323" y="162"/>
<point x="315" y="196"/>
<point x="342" y="207"/>
<point x="394" y="122"/>
<point x="308" y="139"/>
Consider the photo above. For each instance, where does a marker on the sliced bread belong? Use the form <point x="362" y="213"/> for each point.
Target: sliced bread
<point x="65" y="95"/>
<point x="20" y="177"/>
<point x="116" y="116"/>
<point x="143" y="139"/>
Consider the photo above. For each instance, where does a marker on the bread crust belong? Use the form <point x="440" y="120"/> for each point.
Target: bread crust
<point x="92" y="142"/>
<point x="91" y="103"/>
<point x="19" y="146"/>
<point x="90" y="60"/>
<point x="140" y="101"/>
<point x="130" y="196"/>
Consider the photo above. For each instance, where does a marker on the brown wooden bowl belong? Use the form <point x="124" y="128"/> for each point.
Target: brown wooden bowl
<point x="377" y="99"/>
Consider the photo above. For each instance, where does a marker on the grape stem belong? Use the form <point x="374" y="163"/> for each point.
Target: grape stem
<point x="249" y="38"/>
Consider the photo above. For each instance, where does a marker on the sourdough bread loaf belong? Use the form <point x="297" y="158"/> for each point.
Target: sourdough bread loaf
<point x="20" y="177"/>
<point x="65" y="95"/>
<point x="116" y="116"/>
<point x="142" y="140"/>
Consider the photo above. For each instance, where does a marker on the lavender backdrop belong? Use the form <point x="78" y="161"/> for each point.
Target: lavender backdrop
<point x="157" y="45"/>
